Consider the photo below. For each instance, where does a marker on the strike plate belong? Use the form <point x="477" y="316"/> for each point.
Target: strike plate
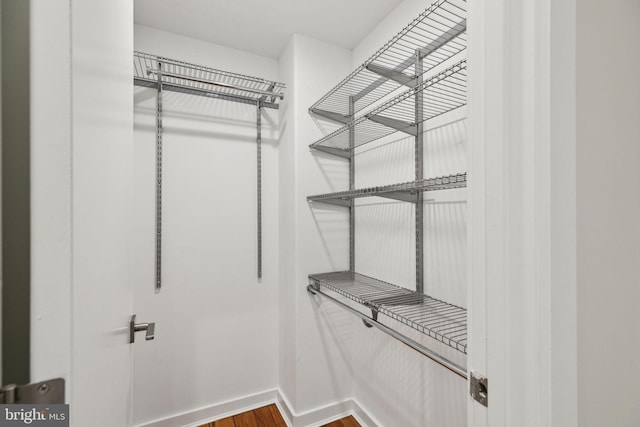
<point x="479" y="388"/>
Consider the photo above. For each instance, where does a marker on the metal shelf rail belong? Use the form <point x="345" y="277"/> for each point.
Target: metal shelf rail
<point x="162" y="74"/>
<point x="406" y="191"/>
<point x="441" y="93"/>
<point x="437" y="319"/>
<point x="438" y="34"/>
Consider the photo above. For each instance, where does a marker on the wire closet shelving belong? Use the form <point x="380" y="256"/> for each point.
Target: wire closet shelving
<point x="166" y="74"/>
<point x="427" y="59"/>
<point x="438" y="34"/>
<point x="180" y="76"/>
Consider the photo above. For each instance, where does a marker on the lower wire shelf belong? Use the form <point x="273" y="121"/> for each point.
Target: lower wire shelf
<point x="437" y="319"/>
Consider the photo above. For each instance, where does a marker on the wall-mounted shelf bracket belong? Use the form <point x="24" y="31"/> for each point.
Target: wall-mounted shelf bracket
<point x="334" y="151"/>
<point x="336" y="117"/>
<point x="403" y="196"/>
<point x="391" y="74"/>
<point x="399" y="125"/>
<point x="339" y="202"/>
<point x="374" y="316"/>
<point x="457" y="31"/>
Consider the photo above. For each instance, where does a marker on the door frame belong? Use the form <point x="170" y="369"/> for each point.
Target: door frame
<point x="522" y="219"/>
<point x="81" y="155"/>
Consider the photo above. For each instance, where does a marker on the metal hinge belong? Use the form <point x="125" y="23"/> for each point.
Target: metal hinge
<point x="479" y="388"/>
<point x="45" y="392"/>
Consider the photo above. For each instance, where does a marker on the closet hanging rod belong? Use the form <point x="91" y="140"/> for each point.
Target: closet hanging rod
<point x="212" y="83"/>
<point x="452" y="366"/>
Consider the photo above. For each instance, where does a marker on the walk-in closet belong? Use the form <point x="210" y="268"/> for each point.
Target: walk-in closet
<point x="361" y="213"/>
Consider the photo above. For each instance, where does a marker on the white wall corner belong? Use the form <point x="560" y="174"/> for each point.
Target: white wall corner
<point x="325" y="414"/>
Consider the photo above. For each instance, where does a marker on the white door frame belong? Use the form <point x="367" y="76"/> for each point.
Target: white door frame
<point x="522" y="279"/>
<point x="82" y="153"/>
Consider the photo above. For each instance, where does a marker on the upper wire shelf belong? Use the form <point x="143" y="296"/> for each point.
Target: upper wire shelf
<point x="406" y="191"/>
<point x="195" y="79"/>
<point x="440" y="94"/>
<point x="438" y="34"/>
<point x="439" y="320"/>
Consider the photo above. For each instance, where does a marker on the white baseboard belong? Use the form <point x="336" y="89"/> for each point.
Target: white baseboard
<point x="362" y="416"/>
<point x="215" y="412"/>
<point x="312" y="418"/>
<point x="325" y="414"/>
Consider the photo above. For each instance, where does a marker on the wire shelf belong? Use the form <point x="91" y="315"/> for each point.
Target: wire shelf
<point x="200" y="80"/>
<point x="440" y="94"/>
<point x="406" y="191"/>
<point x="438" y="33"/>
<point x="439" y="320"/>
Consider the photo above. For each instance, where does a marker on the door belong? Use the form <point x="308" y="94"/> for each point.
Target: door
<point x="81" y="131"/>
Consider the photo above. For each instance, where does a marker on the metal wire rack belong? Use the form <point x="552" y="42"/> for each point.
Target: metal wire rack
<point x="406" y="191"/>
<point x="163" y="74"/>
<point x="440" y="94"/>
<point x="195" y="79"/>
<point x="415" y="59"/>
<point x="438" y="34"/>
<point x="439" y="320"/>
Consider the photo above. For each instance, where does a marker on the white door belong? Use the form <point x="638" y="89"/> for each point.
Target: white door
<point x="81" y="160"/>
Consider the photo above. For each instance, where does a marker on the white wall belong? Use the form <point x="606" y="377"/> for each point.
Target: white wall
<point x="316" y="336"/>
<point x="608" y="208"/>
<point x="216" y="323"/>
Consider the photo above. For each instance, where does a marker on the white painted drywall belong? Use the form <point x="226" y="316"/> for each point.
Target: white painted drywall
<point x="216" y="323"/>
<point x="608" y="208"/>
<point x="316" y="335"/>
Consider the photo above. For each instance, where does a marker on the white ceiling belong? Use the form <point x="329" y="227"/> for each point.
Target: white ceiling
<point x="265" y="26"/>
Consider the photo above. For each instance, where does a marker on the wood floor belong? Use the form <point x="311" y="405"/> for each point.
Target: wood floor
<point x="269" y="416"/>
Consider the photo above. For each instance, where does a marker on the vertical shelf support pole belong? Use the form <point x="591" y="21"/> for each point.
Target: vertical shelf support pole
<point x="352" y="186"/>
<point x="419" y="166"/>
<point x="259" y="183"/>
<point x="158" y="218"/>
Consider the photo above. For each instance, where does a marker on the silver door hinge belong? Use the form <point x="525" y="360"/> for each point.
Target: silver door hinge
<point x="479" y="388"/>
<point x="45" y="392"/>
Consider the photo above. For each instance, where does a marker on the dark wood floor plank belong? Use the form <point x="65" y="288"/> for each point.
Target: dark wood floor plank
<point x="344" y="422"/>
<point x="350" y="422"/>
<point x="264" y="417"/>
<point x="225" y="422"/>
<point x="270" y="416"/>
<point x="277" y="416"/>
<point x="247" y="419"/>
